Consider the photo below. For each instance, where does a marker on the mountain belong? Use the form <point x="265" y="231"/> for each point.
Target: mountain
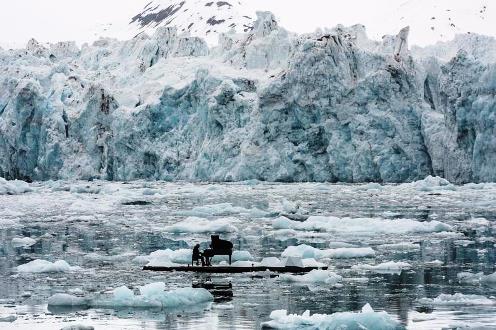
<point x="266" y="104"/>
<point x="203" y="18"/>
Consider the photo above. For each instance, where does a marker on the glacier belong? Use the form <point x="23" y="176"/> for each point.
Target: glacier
<point x="268" y="105"/>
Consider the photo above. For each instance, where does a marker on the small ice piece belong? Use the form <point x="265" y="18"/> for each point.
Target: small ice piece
<point x="457" y="299"/>
<point x="8" y="319"/>
<point x="489" y="279"/>
<point x="223" y="209"/>
<point x="306" y="251"/>
<point x="201" y="225"/>
<point x="316" y="276"/>
<point x="366" y="319"/>
<point x="406" y="246"/>
<point x="271" y="262"/>
<point x="23" y="242"/>
<point x="223" y="306"/>
<point x="78" y="327"/>
<point x="430" y="183"/>
<point x="293" y="262"/>
<point x="43" y="266"/>
<point x="63" y="299"/>
<point x="15" y="187"/>
<point x="390" y="266"/>
<point x="469" y="278"/>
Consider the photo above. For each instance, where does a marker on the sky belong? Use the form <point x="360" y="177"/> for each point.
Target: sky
<point x="79" y="20"/>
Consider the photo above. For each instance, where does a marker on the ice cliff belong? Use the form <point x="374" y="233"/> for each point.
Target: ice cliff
<point x="266" y="104"/>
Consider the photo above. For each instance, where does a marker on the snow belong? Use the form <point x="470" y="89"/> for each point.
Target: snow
<point x="457" y="299"/>
<point x="43" y="266"/>
<point x="364" y="226"/>
<point x="201" y="225"/>
<point x="306" y="251"/>
<point x="14" y="187"/>
<point x="23" y="241"/>
<point x="366" y="319"/>
<point x="316" y="276"/>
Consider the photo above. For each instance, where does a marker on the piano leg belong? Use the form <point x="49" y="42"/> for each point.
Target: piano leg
<point x="229" y="260"/>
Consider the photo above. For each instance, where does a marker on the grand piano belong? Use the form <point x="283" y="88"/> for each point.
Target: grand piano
<point x="218" y="247"/>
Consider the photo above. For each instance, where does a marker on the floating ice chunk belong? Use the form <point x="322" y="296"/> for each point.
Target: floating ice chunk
<point x="223" y="209"/>
<point x="85" y="189"/>
<point x="78" y="327"/>
<point x="63" y="299"/>
<point x="489" y="279"/>
<point x="15" y="187"/>
<point x="316" y="276"/>
<point x="271" y="262"/>
<point x="367" y="319"/>
<point x="224" y="306"/>
<point x="23" y="242"/>
<point x="201" y="225"/>
<point x="152" y="296"/>
<point x="400" y="246"/>
<point x="458" y="299"/>
<point x="43" y="266"/>
<point x="9" y="319"/>
<point x="363" y="226"/>
<point x="469" y="278"/>
<point x="306" y="251"/>
<point x="390" y="266"/>
<point x="311" y="262"/>
<point x="335" y="245"/>
<point x="431" y="183"/>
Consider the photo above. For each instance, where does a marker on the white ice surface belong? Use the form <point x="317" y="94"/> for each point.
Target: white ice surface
<point x="43" y="266"/>
<point x="306" y="251"/>
<point x="201" y="225"/>
<point x="458" y="299"/>
<point x="366" y="319"/>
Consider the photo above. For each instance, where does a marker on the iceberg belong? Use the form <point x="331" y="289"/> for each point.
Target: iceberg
<point x="14" y="187"/>
<point x="315" y="276"/>
<point x="151" y="296"/>
<point x="306" y="251"/>
<point x="43" y="266"/>
<point x="366" y="319"/>
<point x="458" y="299"/>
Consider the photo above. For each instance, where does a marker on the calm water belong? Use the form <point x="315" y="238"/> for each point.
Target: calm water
<point x="102" y="235"/>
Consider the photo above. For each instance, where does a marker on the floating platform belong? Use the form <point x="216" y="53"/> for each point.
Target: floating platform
<point x="233" y="270"/>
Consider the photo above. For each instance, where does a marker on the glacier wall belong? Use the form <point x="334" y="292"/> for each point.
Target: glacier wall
<point x="268" y="105"/>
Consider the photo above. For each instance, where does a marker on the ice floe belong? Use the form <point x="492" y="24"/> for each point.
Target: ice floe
<point x="458" y="299"/>
<point x="23" y="241"/>
<point x="389" y="266"/>
<point x="151" y="296"/>
<point x="14" y="187"/>
<point x="478" y="278"/>
<point x="316" y="276"/>
<point x="306" y="251"/>
<point x="366" y="319"/>
<point x="223" y="209"/>
<point x="201" y="225"/>
<point x="43" y="266"/>
<point x="431" y="183"/>
<point x="363" y="226"/>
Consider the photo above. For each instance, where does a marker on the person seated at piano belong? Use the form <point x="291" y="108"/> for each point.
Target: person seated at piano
<point x="197" y="256"/>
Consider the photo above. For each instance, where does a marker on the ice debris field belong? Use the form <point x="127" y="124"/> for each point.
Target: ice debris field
<point x="413" y="255"/>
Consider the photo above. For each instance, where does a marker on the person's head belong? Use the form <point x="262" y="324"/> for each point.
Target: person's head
<point x="197" y="246"/>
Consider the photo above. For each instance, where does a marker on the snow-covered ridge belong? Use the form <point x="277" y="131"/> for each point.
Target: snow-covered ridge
<point x="266" y="105"/>
<point x="203" y="18"/>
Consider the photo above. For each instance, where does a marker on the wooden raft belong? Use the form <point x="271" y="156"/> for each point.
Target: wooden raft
<point x="232" y="270"/>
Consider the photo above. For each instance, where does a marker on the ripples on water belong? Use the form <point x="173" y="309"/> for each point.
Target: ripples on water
<point x="97" y="232"/>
